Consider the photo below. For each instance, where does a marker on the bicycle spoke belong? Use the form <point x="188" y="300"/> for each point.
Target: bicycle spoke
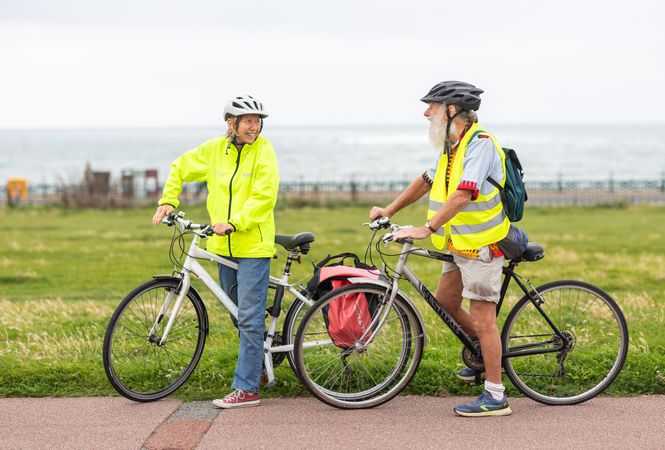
<point x="593" y="344"/>
<point x="365" y="370"/>
<point x="142" y="368"/>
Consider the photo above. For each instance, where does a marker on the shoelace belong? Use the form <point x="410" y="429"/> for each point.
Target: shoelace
<point x="482" y="398"/>
<point x="237" y="394"/>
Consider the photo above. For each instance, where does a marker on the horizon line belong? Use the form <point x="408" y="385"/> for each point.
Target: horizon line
<point x="284" y="125"/>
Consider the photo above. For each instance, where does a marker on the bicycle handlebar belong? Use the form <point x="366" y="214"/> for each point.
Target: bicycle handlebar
<point x="202" y="228"/>
<point x="378" y="223"/>
<point x="384" y="222"/>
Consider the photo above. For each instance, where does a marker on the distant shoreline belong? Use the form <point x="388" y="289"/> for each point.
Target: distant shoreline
<point x="221" y="126"/>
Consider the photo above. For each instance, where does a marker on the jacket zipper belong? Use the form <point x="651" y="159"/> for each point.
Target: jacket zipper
<point x="231" y="197"/>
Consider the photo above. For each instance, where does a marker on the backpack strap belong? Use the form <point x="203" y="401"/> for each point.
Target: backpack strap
<point x="495" y="184"/>
<point x="341" y="256"/>
<point x="492" y="181"/>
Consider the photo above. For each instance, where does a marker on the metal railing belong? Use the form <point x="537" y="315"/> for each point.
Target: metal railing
<point x="541" y="193"/>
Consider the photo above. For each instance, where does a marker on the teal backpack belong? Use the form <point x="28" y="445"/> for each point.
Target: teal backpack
<point x="513" y="194"/>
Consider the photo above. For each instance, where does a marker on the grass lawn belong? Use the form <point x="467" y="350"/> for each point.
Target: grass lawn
<point x="63" y="272"/>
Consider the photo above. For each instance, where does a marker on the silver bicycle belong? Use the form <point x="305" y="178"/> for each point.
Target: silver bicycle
<point x="156" y="335"/>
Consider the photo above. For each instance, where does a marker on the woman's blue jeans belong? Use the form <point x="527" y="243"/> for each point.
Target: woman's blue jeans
<point x="248" y="289"/>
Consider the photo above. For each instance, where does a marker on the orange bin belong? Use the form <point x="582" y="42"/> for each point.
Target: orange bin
<point x="17" y="190"/>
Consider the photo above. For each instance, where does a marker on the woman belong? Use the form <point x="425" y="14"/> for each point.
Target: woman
<point x="241" y="171"/>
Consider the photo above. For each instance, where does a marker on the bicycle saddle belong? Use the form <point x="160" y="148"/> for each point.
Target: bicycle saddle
<point x="533" y="252"/>
<point x="290" y="242"/>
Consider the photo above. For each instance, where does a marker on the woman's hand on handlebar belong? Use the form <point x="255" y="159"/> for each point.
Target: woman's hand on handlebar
<point x="223" y="229"/>
<point x="162" y="211"/>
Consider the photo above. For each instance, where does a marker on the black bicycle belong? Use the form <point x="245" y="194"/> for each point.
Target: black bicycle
<point x="563" y="342"/>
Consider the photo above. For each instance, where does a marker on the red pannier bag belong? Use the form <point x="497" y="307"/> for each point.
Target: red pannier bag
<point x="349" y="316"/>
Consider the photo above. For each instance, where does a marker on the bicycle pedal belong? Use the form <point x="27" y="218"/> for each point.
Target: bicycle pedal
<point x="270" y="384"/>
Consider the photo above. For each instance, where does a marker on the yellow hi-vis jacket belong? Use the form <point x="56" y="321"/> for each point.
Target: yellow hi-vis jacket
<point x="482" y="221"/>
<point x="242" y="190"/>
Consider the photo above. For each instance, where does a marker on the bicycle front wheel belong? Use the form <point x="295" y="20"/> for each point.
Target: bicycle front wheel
<point x="140" y="367"/>
<point x="368" y="371"/>
<point x="569" y="370"/>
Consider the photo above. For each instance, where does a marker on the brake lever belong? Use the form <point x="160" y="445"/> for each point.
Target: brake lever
<point x="388" y="237"/>
<point x="207" y="231"/>
<point x="169" y="220"/>
<point x="378" y="223"/>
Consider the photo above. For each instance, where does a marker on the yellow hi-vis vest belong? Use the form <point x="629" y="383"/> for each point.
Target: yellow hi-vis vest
<point x="482" y="221"/>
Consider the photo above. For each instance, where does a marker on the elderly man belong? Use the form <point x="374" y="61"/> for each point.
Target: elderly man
<point x="466" y="218"/>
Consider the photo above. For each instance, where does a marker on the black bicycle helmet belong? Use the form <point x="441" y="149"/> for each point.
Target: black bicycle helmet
<point x="459" y="93"/>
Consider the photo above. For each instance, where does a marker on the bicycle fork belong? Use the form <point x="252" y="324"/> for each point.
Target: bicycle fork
<point x="183" y="288"/>
<point x="380" y="319"/>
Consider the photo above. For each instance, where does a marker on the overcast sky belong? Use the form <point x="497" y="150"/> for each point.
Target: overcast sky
<point x="102" y="63"/>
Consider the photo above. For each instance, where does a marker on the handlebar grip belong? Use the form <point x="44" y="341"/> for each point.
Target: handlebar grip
<point x="379" y="222"/>
<point x="169" y="219"/>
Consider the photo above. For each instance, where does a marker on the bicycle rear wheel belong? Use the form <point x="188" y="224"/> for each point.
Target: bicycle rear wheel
<point x="562" y="373"/>
<point x="294" y="316"/>
<point x="365" y="374"/>
<point x="137" y="366"/>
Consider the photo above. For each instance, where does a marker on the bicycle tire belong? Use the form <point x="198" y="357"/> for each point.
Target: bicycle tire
<point x="353" y="379"/>
<point x="136" y="366"/>
<point x="598" y="336"/>
<point x="294" y="316"/>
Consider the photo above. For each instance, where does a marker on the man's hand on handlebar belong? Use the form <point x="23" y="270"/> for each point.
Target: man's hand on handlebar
<point x="379" y="223"/>
<point x="162" y="211"/>
<point x="411" y="233"/>
<point x="377" y="212"/>
<point x="223" y="229"/>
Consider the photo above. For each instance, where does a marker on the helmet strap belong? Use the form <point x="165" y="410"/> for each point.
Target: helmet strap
<point x="446" y="142"/>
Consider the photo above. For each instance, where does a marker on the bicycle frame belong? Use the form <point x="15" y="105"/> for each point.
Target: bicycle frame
<point x="403" y="270"/>
<point x="192" y="266"/>
<point x="537" y="301"/>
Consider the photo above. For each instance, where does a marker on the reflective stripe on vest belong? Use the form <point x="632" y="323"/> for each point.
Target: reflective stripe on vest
<point x="469" y="229"/>
<point x="472" y="206"/>
<point x="482" y="221"/>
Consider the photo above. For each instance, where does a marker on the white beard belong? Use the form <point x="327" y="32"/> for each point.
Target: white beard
<point x="437" y="131"/>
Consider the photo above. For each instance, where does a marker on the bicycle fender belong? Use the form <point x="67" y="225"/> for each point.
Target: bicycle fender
<point x="193" y="291"/>
<point x="385" y="284"/>
<point x="164" y="276"/>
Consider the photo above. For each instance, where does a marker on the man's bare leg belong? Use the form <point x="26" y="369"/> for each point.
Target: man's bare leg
<point x="483" y="316"/>
<point x="449" y="295"/>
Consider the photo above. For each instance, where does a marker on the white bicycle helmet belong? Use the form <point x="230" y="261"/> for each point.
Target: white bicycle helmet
<point x="245" y="104"/>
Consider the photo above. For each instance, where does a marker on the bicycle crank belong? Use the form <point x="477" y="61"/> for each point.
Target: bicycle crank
<point x="472" y="361"/>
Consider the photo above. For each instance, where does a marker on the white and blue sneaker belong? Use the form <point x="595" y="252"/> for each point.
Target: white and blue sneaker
<point x="484" y="405"/>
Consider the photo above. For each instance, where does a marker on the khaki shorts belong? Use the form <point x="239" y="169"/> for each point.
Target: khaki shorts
<point x="481" y="277"/>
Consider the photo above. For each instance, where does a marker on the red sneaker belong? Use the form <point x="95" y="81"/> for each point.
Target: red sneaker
<point x="238" y="399"/>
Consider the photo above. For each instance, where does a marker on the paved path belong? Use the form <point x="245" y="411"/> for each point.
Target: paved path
<point x="406" y="422"/>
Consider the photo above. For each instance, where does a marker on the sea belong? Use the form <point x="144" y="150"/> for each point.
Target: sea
<point x="338" y="153"/>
